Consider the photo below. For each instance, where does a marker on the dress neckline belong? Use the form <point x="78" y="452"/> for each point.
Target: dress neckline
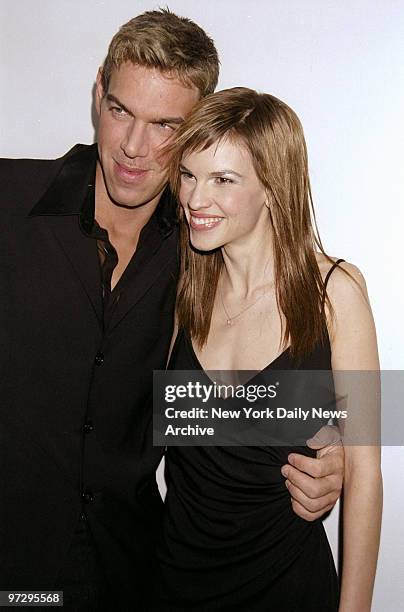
<point x="258" y="372"/>
<point x="283" y="354"/>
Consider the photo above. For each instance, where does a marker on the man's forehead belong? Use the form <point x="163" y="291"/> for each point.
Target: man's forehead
<point x="151" y="90"/>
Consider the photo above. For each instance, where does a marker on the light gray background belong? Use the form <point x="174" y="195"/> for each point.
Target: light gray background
<point x="338" y="63"/>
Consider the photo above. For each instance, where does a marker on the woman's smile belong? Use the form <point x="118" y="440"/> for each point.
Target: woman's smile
<point x="203" y="223"/>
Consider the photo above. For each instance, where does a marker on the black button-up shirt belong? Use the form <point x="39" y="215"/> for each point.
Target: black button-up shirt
<point x="160" y="223"/>
<point x="78" y="375"/>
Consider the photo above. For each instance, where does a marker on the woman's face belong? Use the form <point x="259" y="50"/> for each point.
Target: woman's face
<point x="223" y="200"/>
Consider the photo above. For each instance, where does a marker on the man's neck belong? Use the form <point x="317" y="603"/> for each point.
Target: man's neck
<point x="121" y="220"/>
<point x="123" y="224"/>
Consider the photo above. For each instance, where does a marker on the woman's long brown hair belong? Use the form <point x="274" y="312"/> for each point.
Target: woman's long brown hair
<point x="274" y="137"/>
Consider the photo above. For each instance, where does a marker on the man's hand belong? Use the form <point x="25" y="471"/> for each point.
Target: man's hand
<point x="316" y="484"/>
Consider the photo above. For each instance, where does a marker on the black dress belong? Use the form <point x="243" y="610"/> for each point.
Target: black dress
<point x="231" y="540"/>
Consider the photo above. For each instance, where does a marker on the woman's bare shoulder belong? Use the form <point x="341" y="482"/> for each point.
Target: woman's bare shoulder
<point x="346" y="282"/>
<point x="351" y="326"/>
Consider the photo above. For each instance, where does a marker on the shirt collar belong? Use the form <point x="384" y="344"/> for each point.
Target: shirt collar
<point x="72" y="192"/>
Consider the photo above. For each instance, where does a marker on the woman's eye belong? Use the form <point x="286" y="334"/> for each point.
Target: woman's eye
<point x="222" y="180"/>
<point x="186" y="176"/>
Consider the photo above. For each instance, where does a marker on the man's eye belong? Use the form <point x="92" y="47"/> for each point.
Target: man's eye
<point x="117" y="110"/>
<point x="165" y="126"/>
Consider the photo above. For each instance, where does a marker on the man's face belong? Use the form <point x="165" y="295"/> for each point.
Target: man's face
<point x="140" y="111"/>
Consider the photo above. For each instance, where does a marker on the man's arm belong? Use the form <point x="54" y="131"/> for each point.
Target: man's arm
<point x="315" y="484"/>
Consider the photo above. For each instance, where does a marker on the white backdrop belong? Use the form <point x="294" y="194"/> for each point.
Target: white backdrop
<point x="338" y="63"/>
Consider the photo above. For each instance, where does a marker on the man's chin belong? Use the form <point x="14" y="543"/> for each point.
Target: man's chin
<point x="133" y="201"/>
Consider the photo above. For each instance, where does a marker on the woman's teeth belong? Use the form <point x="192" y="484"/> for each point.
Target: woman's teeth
<point x="206" y="221"/>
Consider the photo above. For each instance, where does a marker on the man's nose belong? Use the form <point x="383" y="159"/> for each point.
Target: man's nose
<point x="136" y="140"/>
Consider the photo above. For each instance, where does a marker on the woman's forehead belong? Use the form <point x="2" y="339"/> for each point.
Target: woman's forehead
<point x="229" y="145"/>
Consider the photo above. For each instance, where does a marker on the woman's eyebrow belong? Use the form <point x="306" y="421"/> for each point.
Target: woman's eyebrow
<point x="226" y="171"/>
<point x="214" y="173"/>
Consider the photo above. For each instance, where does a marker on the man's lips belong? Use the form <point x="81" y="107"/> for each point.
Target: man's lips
<point x="129" y="174"/>
<point x="203" y="223"/>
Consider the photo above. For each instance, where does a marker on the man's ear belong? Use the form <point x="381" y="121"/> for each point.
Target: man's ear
<point x="99" y="92"/>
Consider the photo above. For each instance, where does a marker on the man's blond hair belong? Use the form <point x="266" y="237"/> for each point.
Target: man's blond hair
<point x="175" y="45"/>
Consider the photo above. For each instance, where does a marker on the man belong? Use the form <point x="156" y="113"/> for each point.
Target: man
<point x="89" y="268"/>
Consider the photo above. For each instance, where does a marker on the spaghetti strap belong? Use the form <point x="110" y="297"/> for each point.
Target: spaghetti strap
<point x="330" y="271"/>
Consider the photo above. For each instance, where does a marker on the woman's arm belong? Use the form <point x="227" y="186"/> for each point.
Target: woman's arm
<point x="354" y="348"/>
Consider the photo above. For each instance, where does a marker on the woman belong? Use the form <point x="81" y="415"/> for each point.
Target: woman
<point x="257" y="292"/>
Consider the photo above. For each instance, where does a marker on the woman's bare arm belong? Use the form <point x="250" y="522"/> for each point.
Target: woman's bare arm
<point x="355" y="363"/>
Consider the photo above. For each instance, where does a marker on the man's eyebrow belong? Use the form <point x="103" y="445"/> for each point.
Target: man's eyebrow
<point x="169" y="120"/>
<point x="112" y="98"/>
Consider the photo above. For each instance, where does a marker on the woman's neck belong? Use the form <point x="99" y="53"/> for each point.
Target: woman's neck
<point x="248" y="268"/>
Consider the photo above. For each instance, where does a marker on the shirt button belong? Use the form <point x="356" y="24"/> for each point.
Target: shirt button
<point x="99" y="359"/>
<point x="88" y="427"/>
<point x="87" y="497"/>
